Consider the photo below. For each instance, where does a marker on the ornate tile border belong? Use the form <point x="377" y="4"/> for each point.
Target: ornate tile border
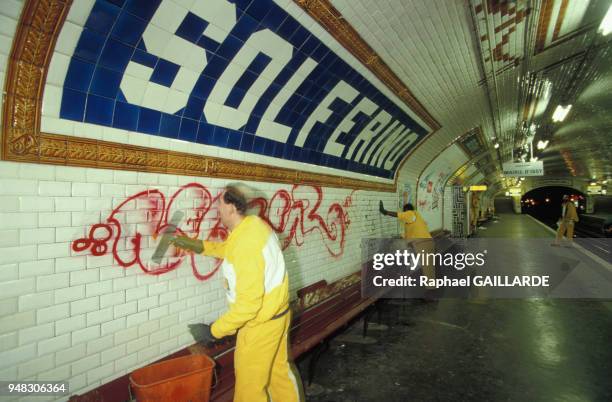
<point x="22" y="140"/>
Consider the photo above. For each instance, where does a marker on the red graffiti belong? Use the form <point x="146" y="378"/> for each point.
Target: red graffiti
<point x="136" y="225"/>
<point x="295" y="216"/>
<point x="97" y="243"/>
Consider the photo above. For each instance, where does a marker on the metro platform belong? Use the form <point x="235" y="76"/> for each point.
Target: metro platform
<point x="476" y="350"/>
<point x="515" y="226"/>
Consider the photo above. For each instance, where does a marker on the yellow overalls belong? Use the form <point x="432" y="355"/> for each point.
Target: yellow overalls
<point x="257" y="290"/>
<point x="566" y="223"/>
<point x="416" y="228"/>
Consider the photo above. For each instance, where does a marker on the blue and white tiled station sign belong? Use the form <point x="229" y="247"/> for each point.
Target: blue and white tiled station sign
<point x="243" y="75"/>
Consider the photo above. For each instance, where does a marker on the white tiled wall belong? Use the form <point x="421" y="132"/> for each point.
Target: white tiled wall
<point x="74" y="316"/>
<point x="448" y="208"/>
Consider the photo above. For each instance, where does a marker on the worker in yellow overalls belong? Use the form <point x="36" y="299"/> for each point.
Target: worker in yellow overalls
<point x="414" y="228"/>
<point x="257" y="289"/>
<point x="474" y="211"/>
<point x="566" y="222"/>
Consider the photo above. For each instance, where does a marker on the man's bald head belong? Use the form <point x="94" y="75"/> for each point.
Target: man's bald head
<point x="236" y="196"/>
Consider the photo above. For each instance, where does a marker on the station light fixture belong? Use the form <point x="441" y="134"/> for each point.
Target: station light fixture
<point x="496" y="145"/>
<point x="606" y="24"/>
<point x="561" y="113"/>
<point x="542" y="144"/>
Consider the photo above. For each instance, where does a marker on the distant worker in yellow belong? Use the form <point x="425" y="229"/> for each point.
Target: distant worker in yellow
<point x="474" y="210"/>
<point x="569" y="216"/>
<point x="414" y="228"/>
<point x="257" y="288"/>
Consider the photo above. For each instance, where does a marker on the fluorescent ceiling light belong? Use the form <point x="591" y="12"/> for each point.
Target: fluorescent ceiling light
<point x="544" y="98"/>
<point x="561" y="112"/>
<point x="542" y="144"/>
<point x="606" y="24"/>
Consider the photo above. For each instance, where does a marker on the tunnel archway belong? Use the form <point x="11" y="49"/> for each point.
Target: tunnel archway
<point x="503" y="204"/>
<point x="570" y="185"/>
<point x="544" y="203"/>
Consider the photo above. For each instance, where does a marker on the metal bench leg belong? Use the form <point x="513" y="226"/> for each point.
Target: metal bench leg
<point x="377" y="308"/>
<point x="316" y="354"/>
<point x="366" y="319"/>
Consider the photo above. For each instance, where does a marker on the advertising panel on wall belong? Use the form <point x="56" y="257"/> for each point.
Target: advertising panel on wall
<point x="430" y="190"/>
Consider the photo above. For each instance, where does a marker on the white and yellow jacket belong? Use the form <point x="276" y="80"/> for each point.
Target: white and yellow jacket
<point x="256" y="282"/>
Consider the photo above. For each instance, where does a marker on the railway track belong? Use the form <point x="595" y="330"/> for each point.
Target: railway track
<point x="589" y="234"/>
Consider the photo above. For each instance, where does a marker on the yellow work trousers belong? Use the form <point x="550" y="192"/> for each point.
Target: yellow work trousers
<point x="427" y="246"/>
<point x="261" y="362"/>
<point x="565" y="228"/>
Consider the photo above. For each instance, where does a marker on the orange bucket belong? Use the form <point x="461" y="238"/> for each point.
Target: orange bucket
<point x="186" y="378"/>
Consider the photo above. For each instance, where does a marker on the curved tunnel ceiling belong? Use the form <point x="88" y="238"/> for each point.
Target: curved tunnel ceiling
<point x="534" y="56"/>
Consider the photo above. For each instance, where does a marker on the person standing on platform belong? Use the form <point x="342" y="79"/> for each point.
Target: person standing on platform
<point x="474" y="211"/>
<point x="415" y="228"/>
<point x="566" y="222"/>
<point x="257" y="288"/>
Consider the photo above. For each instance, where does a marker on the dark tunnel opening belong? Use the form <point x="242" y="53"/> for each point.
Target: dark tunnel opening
<point x="544" y="203"/>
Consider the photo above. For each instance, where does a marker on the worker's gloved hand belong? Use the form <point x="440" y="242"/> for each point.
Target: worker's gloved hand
<point x="381" y="208"/>
<point x="187" y="243"/>
<point x="201" y="333"/>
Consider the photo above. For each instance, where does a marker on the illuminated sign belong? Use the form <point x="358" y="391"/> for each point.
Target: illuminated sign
<point x="521" y="169"/>
<point x="549" y="181"/>
<point x="594" y="190"/>
<point x="515" y="191"/>
<point x="478" y="188"/>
